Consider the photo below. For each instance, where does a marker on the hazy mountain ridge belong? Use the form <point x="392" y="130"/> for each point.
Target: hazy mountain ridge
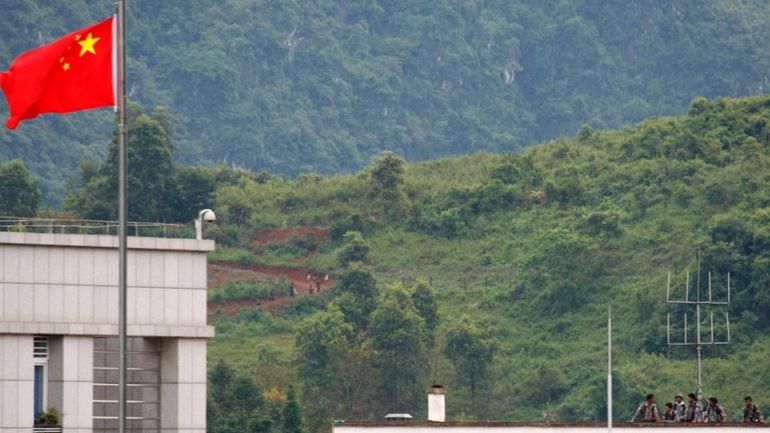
<point x="320" y="86"/>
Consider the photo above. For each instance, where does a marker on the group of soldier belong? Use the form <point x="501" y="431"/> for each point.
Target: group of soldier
<point x="695" y="410"/>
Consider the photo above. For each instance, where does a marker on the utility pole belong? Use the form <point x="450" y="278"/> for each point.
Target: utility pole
<point x="609" y="370"/>
<point x="120" y="9"/>
<point x="698" y="303"/>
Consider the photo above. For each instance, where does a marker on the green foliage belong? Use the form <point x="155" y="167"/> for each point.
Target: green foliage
<point x="355" y="249"/>
<point x="562" y="271"/>
<point x="399" y="338"/>
<point x="235" y="402"/>
<point x="291" y="419"/>
<point x="258" y="291"/>
<point x="332" y="366"/>
<point x="539" y="244"/>
<point x="343" y="222"/>
<point x="158" y="189"/>
<point x="359" y="293"/>
<point x="424" y="301"/>
<point x="323" y="86"/>
<point x="19" y="192"/>
<point x="386" y="178"/>
<point x="470" y="349"/>
<point x="48" y="418"/>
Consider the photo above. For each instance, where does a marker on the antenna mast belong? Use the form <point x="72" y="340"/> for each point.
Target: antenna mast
<point x="698" y="302"/>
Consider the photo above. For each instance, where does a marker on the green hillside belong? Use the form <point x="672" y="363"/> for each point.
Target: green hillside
<point x="522" y="253"/>
<point x="320" y="86"/>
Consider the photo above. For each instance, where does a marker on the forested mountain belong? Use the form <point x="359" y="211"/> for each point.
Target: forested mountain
<point x="492" y="274"/>
<point x="322" y="85"/>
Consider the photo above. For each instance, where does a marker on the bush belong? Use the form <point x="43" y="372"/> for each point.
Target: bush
<point x="343" y="223"/>
<point x="354" y="250"/>
<point x="248" y="290"/>
<point x="49" y="417"/>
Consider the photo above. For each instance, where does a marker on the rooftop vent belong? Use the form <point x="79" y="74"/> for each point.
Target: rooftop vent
<point x="436" y="406"/>
<point x="398" y="417"/>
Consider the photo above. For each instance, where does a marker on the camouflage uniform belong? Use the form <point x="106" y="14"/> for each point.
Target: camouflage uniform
<point x="715" y="414"/>
<point x="752" y="414"/>
<point x="647" y="413"/>
<point x="680" y="410"/>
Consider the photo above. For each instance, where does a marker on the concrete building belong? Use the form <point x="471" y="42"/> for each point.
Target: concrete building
<point x="511" y="427"/>
<point x="59" y="322"/>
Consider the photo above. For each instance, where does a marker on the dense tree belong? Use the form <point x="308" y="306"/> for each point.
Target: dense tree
<point x="235" y="402"/>
<point x="354" y="249"/>
<point x="399" y="339"/>
<point x="192" y="189"/>
<point x="158" y="189"/>
<point x="150" y="179"/>
<point x="19" y="192"/>
<point x="325" y="86"/>
<point x="359" y="294"/>
<point x="291" y="417"/>
<point x="470" y="349"/>
<point x="387" y="178"/>
<point x="424" y="301"/>
<point x="334" y="367"/>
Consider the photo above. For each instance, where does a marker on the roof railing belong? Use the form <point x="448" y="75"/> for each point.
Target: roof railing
<point x="92" y="227"/>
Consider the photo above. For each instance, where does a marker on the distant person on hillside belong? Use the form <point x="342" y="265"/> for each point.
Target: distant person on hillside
<point x="751" y="412"/>
<point x="668" y="413"/>
<point x="292" y="290"/>
<point x="714" y="412"/>
<point x="647" y="411"/>
<point x="680" y="407"/>
<point x="693" y="411"/>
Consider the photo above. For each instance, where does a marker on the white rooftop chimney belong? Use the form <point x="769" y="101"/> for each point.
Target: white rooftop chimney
<point x="436" y="406"/>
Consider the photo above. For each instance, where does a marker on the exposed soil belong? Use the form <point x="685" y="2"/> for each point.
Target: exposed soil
<point x="219" y="273"/>
<point x="222" y="272"/>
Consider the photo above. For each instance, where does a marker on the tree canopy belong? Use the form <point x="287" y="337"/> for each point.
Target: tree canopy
<point x="322" y="86"/>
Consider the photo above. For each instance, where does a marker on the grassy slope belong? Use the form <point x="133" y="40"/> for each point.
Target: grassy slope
<point x="713" y="163"/>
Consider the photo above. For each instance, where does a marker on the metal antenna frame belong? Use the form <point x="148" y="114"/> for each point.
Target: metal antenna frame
<point x="698" y="343"/>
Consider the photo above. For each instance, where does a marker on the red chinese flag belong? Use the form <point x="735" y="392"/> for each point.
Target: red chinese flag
<point x="72" y="73"/>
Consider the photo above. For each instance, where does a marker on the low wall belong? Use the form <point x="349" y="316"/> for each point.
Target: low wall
<point x="508" y="427"/>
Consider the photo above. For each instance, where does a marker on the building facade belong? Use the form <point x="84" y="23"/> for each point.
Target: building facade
<point x="58" y="328"/>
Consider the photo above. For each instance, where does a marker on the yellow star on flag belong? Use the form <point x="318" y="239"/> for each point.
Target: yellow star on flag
<point x="87" y="45"/>
<point x="66" y="67"/>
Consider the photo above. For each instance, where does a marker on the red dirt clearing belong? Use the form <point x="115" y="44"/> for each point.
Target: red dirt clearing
<point x="223" y="271"/>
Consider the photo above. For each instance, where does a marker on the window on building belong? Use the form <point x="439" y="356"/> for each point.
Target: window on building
<point x="143" y="380"/>
<point x="40" y="356"/>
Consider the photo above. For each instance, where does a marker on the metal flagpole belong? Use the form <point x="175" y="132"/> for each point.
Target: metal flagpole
<point x="122" y="214"/>
<point x="609" y="370"/>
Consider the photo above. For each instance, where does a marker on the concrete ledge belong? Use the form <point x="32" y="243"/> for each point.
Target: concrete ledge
<point x="105" y="241"/>
<point x="545" y="425"/>
<point x="35" y="328"/>
<point x="530" y="427"/>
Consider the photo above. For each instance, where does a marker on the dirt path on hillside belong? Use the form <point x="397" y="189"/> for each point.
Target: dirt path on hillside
<point x="222" y="272"/>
